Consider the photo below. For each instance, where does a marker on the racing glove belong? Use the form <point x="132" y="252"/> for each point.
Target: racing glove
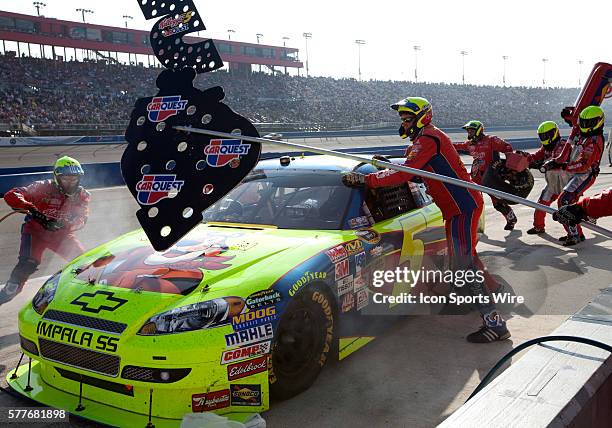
<point x="570" y="215"/>
<point x="353" y="179"/>
<point x="380" y="158"/>
<point x="46" y="222"/>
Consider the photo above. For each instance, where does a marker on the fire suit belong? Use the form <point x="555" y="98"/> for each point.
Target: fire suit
<point x="597" y="206"/>
<point x="556" y="178"/>
<point x="485" y="151"/>
<point x="461" y="208"/>
<point x="45" y="197"/>
<point x="583" y="163"/>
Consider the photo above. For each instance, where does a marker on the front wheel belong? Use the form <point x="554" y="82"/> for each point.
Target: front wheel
<point x="302" y="344"/>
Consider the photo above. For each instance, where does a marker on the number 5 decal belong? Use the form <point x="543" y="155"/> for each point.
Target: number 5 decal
<point x="411" y="255"/>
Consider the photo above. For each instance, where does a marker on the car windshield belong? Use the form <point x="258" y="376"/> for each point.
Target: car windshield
<point x="288" y="199"/>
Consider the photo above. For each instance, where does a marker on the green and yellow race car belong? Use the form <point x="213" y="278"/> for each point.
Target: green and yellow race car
<point x="275" y="282"/>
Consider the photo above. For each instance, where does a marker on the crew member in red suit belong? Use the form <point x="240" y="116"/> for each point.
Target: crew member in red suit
<point x="554" y="151"/>
<point x="583" y="164"/>
<point x="587" y="207"/>
<point x="56" y="208"/>
<point x="432" y="150"/>
<point x="485" y="149"/>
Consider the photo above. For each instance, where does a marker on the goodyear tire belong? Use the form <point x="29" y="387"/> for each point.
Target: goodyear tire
<point x="521" y="184"/>
<point x="303" y="343"/>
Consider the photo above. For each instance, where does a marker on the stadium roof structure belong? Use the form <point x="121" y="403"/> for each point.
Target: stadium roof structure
<point x="40" y="30"/>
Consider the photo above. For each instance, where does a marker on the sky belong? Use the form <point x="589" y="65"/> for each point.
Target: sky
<point x="524" y="31"/>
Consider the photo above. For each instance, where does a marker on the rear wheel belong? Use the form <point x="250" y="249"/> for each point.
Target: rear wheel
<point x="302" y="344"/>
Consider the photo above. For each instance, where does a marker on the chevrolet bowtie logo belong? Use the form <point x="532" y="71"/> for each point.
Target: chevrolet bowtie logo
<point x="98" y="301"/>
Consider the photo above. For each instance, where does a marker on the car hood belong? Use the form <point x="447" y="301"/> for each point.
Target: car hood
<point x="127" y="279"/>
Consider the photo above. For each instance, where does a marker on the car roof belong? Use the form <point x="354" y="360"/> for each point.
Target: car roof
<point x="318" y="162"/>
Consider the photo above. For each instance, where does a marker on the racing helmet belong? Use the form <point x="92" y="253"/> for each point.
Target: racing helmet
<point x="478" y="128"/>
<point x="591" y="121"/>
<point x="548" y="132"/>
<point x="417" y="107"/>
<point x="67" y="167"/>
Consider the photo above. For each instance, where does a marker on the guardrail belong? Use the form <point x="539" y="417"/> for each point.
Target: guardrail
<point x="120" y="139"/>
<point x="108" y="174"/>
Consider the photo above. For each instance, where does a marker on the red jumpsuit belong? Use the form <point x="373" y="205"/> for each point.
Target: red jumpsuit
<point x="556" y="179"/>
<point x="45" y="197"/>
<point x="599" y="205"/>
<point x="584" y="165"/>
<point x="485" y="151"/>
<point x="461" y="208"/>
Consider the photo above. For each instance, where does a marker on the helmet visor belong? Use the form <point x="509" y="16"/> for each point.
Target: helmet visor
<point x="547" y="137"/>
<point x="69" y="183"/>
<point x="589" y="123"/>
<point x="69" y="170"/>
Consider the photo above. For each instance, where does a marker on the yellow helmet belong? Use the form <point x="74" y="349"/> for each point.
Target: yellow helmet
<point x="549" y="133"/>
<point x="419" y="108"/>
<point x="478" y="128"/>
<point x="591" y="120"/>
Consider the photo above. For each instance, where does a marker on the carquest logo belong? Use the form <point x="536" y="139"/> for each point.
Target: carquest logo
<point x="161" y="108"/>
<point x="221" y="152"/>
<point x="155" y="187"/>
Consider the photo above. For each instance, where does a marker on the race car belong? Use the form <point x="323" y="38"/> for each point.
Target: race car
<point x="275" y="282"/>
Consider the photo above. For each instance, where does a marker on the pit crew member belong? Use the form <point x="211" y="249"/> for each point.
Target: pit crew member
<point x="432" y="150"/>
<point x="583" y="164"/>
<point x="56" y="208"/>
<point x="587" y="207"/>
<point x="553" y="152"/>
<point x="485" y="149"/>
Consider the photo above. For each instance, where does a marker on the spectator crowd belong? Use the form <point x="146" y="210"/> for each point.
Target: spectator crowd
<point x="46" y="93"/>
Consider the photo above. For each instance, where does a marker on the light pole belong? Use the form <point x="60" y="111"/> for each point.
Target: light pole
<point x="126" y="17"/>
<point x="306" y="37"/>
<point x="416" y="48"/>
<point x="544" y="61"/>
<point x="359" y="43"/>
<point x="38" y="5"/>
<point x="463" y="54"/>
<point x="83" y="12"/>
<point x="505" y="57"/>
<point x="579" y="72"/>
<point x="258" y="35"/>
<point x="229" y="33"/>
<point x="285" y="38"/>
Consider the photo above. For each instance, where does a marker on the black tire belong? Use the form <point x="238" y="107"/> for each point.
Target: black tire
<point x="303" y="343"/>
<point x="520" y="186"/>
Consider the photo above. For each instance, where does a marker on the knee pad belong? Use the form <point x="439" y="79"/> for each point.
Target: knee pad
<point x="25" y="267"/>
<point x="567" y="198"/>
<point x="502" y="207"/>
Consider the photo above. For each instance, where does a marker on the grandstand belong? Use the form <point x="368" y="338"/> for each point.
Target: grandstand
<point x="56" y="96"/>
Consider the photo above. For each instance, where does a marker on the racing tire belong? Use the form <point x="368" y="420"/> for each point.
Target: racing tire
<point x="304" y="341"/>
<point x="521" y="186"/>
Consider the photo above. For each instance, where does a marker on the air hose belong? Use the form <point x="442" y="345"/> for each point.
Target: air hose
<point x="11" y="213"/>
<point x="529" y="343"/>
